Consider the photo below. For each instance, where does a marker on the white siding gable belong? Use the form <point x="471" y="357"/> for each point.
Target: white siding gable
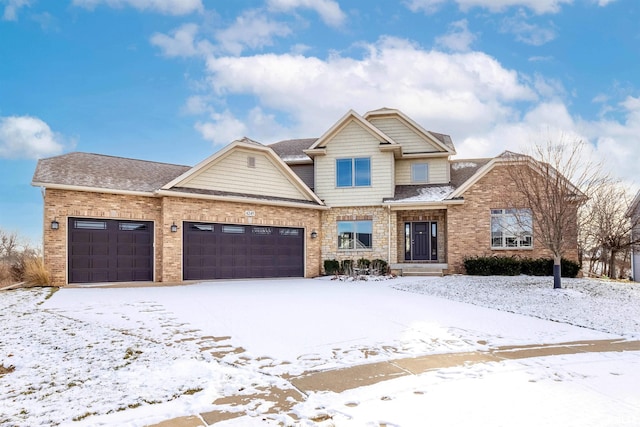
<point x="236" y="172"/>
<point x="411" y="141"/>
<point x="353" y="140"/>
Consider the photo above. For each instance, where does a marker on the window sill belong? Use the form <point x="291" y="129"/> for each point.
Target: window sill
<point x="515" y="248"/>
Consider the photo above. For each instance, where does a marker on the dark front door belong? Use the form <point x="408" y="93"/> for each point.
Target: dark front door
<point x="235" y="251"/>
<point x="103" y="250"/>
<point x="421" y="241"/>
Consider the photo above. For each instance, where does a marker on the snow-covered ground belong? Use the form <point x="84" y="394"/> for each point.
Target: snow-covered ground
<point x="137" y="356"/>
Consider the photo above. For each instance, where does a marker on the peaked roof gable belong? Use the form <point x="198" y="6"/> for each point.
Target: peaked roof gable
<point x="351" y="116"/>
<point x="218" y="175"/>
<point x="510" y="158"/>
<point x="440" y="141"/>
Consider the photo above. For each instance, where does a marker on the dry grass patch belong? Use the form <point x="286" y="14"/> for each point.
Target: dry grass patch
<point x="6" y="369"/>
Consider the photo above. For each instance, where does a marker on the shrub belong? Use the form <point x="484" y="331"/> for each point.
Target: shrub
<point x="346" y="267"/>
<point x="379" y="267"/>
<point x="512" y="266"/>
<point x="363" y="263"/>
<point x="331" y="266"/>
<point x="35" y="273"/>
<point x="569" y="268"/>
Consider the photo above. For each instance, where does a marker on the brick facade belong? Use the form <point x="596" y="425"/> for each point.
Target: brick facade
<point x="164" y="211"/>
<point x="464" y="230"/>
<point x="469" y="224"/>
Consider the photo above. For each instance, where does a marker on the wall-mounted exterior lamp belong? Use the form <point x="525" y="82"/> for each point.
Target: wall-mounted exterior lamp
<point x="174" y="227"/>
<point x="55" y="224"/>
<point x="314" y="234"/>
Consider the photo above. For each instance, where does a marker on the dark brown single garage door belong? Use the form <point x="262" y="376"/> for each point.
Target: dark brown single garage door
<point x="102" y="250"/>
<point x="229" y="251"/>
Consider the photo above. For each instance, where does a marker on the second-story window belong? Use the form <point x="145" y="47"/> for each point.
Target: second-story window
<point x="353" y="172"/>
<point x="420" y="173"/>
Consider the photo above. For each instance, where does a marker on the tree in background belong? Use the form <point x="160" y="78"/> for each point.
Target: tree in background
<point x="606" y="229"/>
<point x="554" y="180"/>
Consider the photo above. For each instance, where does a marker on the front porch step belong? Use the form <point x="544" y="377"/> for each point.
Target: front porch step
<point x="407" y="273"/>
<point x="419" y="269"/>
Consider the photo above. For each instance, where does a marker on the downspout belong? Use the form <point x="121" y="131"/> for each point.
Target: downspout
<point x="389" y="232"/>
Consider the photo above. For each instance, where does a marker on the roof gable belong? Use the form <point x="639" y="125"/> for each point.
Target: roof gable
<point x="350" y="117"/>
<point x="511" y="158"/>
<point x="408" y="133"/>
<point x="246" y="168"/>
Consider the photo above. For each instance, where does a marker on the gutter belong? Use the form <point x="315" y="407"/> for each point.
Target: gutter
<point x="92" y="189"/>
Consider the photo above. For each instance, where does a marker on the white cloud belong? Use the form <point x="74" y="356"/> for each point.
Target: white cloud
<point x="12" y="7"/>
<point x="329" y="10"/>
<point x="471" y="90"/>
<point x="167" y="7"/>
<point x="182" y="42"/>
<point x="525" y="32"/>
<point x="222" y="129"/>
<point x="618" y="139"/>
<point x="537" y="6"/>
<point x="197" y="105"/>
<point x="252" y="29"/>
<point x="27" y="137"/>
<point x="458" y="38"/>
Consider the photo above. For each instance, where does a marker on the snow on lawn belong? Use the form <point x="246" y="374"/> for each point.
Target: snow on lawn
<point x="606" y="306"/>
<point x="136" y="356"/>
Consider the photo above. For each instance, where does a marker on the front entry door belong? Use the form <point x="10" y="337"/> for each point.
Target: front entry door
<point x="421" y="241"/>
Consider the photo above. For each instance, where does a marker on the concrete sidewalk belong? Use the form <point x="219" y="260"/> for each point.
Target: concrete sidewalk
<point x="339" y="380"/>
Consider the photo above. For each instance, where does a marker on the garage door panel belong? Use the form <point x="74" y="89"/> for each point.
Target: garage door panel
<point x="110" y="250"/>
<point x="231" y="251"/>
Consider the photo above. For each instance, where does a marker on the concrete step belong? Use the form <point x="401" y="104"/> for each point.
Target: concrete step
<point x="416" y="272"/>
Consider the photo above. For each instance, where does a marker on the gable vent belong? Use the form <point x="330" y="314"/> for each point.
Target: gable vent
<point x="251" y="162"/>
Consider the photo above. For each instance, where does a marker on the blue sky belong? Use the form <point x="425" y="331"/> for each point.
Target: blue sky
<point x="175" y="80"/>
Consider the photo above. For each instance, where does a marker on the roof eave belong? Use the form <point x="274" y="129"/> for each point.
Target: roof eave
<point x="92" y="189"/>
<point x="440" y="204"/>
<point x="240" y="199"/>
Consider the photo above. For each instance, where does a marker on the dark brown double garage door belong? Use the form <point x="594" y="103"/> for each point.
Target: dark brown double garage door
<point x="227" y="251"/>
<point x="103" y="250"/>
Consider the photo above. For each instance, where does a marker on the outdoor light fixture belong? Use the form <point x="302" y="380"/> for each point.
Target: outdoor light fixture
<point x="55" y="225"/>
<point x="314" y="234"/>
<point x="174" y="227"/>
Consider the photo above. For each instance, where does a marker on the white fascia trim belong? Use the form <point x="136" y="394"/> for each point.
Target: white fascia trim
<point x="93" y="189"/>
<point x="238" y="199"/>
<point x="399" y="206"/>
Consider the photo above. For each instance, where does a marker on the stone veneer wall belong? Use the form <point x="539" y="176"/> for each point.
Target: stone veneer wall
<point x="62" y="204"/>
<point x="384" y="226"/>
<point x="469" y="224"/>
<point x="419" y="216"/>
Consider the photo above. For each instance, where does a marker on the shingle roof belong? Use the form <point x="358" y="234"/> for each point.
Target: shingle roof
<point x="445" y="139"/>
<point x="100" y="171"/>
<point x="293" y="149"/>
<point x="463" y="169"/>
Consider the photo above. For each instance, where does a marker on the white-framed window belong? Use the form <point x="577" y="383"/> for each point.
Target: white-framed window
<point x="419" y="173"/>
<point x="353" y="172"/>
<point x="511" y="228"/>
<point x="355" y="234"/>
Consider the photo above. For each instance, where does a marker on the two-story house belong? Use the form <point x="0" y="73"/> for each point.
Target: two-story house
<point x="377" y="186"/>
